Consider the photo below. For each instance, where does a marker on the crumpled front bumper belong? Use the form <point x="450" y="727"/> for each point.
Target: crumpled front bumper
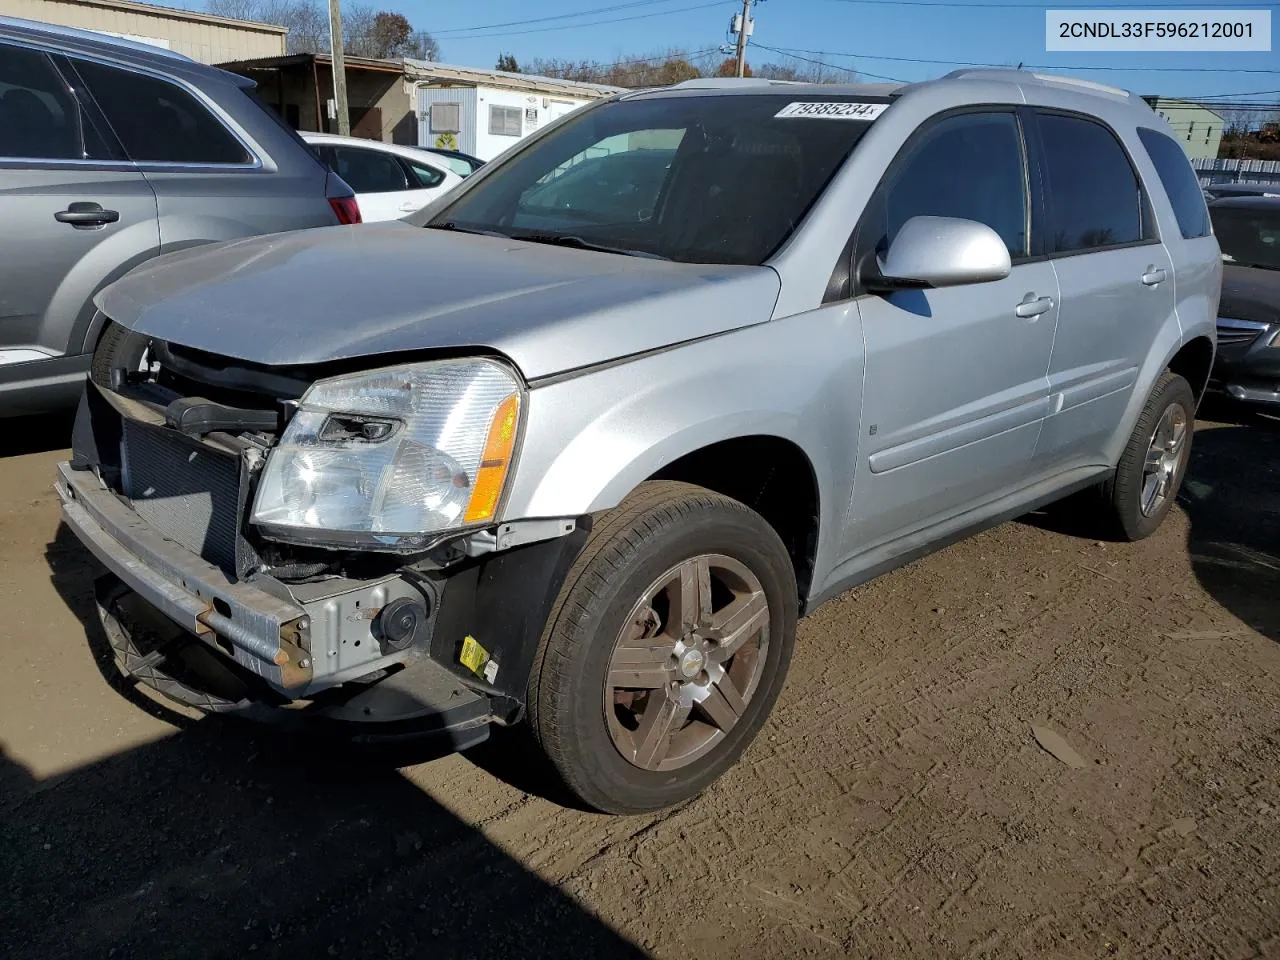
<point x="298" y="643"/>
<point x="267" y="634"/>
<point x="309" y="641"/>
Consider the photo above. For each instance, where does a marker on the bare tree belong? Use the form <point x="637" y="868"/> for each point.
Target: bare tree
<point x="666" y="68"/>
<point x="805" y="71"/>
<point x="357" y="30"/>
<point x="365" y="31"/>
<point x="422" y="46"/>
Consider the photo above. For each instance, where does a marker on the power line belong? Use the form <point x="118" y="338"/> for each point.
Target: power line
<point x="831" y="66"/>
<point x="1031" y="66"/>
<point x="1250" y="93"/>
<point x="560" y="16"/>
<point x="1192" y="106"/>
<point x="1167" y="5"/>
<point x="592" y="23"/>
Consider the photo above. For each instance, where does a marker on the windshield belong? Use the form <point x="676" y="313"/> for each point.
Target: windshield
<point x="1249" y="237"/>
<point x="714" y="179"/>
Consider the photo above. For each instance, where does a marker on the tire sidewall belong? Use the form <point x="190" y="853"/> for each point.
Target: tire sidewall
<point x="714" y="530"/>
<point x="1138" y="525"/>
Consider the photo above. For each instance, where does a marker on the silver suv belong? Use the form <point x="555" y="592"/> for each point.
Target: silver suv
<point x="581" y="457"/>
<point x="112" y="152"/>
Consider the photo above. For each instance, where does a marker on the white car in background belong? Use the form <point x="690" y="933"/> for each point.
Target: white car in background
<point x="390" y="181"/>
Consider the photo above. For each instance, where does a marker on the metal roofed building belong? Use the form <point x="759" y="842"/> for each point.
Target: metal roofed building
<point x="200" y="36"/>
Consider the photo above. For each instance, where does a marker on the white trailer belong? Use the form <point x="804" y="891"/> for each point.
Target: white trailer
<point x="483" y="112"/>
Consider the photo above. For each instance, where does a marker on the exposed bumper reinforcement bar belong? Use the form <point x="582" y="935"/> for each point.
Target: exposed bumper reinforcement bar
<point x="267" y="635"/>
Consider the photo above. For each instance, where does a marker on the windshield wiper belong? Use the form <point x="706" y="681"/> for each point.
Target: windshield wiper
<point x="568" y="240"/>
<point x="459" y="228"/>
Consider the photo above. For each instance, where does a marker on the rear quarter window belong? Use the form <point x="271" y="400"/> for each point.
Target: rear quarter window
<point x="1179" y="182"/>
<point x="157" y="121"/>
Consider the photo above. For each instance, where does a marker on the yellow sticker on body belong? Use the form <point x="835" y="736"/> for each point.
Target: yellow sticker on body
<point x="474" y="657"/>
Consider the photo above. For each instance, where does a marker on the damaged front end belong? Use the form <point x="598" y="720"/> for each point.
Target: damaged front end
<point x="322" y="541"/>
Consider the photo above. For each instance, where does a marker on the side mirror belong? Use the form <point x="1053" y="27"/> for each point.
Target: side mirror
<point x="944" y="252"/>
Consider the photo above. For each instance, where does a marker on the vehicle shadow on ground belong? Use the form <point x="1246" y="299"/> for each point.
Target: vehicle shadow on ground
<point x="229" y="839"/>
<point x="1232" y="495"/>
<point x="23" y="435"/>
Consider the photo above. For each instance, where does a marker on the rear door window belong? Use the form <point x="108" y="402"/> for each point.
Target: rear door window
<point x="40" y="119"/>
<point x="1094" y="198"/>
<point x="968" y="166"/>
<point x="369" y="171"/>
<point x="456" y="164"/>
<point x="1179" y="182"/>
<point x="425" y="177"/>
<point x="157" y="121"/>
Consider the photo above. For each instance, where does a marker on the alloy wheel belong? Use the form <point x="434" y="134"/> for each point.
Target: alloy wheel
<point x="687" y="662"/>
<point x="1164" y="459"/>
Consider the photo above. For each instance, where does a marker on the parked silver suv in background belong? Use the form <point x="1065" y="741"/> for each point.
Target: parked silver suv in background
<point x="581" y="457"/>
<point x="112" y="152"/>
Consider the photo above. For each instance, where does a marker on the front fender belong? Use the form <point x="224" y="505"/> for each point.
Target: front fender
<point x="591" y="439"/>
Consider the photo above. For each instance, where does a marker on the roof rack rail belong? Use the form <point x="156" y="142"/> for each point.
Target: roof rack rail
<point x="1025" y="76"/>
<point x="720" y="83"/>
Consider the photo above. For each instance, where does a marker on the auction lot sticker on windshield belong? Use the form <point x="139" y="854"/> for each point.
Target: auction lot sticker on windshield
<point x="833" y="110"/>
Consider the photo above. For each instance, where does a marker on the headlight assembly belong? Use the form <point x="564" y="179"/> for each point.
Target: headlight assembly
<point x="393" y="457"/>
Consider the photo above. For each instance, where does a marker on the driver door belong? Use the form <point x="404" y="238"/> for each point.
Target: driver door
<point x="956" y="383"/>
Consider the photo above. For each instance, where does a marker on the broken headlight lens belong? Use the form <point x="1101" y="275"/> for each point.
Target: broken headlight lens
<point x="392" y="457"/>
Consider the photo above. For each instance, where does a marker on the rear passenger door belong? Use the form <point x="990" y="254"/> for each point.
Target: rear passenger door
<point x="955" y="389"/>
<point x="74" y="215"/>
<point x="210" y="183"/>
<point x="383" y="188"/>
<point x="1116" y="280"/>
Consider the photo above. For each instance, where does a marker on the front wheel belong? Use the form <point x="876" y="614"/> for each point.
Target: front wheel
<point x="666" y="650"/>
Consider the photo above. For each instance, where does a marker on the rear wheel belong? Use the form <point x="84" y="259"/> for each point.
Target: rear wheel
<point x="668" y="646"/>
<point x="1141" y="492"/>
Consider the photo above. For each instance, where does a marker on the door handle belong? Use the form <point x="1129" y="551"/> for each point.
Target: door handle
<point x="1154" y="275"/>
<point x="1030" y="307"/>
<point x="410" y="207"/>
<point x="86" y="214"/>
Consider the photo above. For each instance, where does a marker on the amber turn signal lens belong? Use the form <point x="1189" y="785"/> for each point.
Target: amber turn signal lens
<point x="493" y="466"/>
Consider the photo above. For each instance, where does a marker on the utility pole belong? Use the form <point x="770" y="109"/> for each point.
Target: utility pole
<point x="339" y="68"/>
<point x="744" y="25"/>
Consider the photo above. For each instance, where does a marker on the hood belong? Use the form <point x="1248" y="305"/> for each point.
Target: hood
<point x="335" y="293"/>
<point x="1250" y="293"/>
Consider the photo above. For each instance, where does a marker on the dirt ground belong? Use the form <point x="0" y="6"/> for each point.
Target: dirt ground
<point x="896" y="805"/>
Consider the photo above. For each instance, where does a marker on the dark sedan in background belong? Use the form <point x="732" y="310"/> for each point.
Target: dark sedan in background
<point x="1248" y="363"/>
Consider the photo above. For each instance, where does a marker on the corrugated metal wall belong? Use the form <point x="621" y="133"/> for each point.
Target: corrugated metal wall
<point x="201" y="39"/>
<point x="466" y="96"/>
<point x="1237" y="171"/>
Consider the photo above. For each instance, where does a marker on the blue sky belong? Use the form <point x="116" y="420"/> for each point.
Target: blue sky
<point x="975" y="31"/>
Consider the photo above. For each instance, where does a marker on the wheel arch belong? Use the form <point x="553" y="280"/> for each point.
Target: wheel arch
<point x="771" y="475"/>
<point x="1193" y="362"/>
<point x="1169" y="351"/>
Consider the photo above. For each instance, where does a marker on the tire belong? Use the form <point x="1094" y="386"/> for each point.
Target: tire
<point x="592" y="728"/>
<point x="1127" y="493"/>
<point x="117" y="347"/>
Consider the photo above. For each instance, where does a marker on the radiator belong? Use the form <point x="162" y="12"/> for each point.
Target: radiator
<point x="188" y="491"/>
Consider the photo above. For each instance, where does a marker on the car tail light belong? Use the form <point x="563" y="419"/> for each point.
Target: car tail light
<point x="342" y="199"/>
<point x="346" y="209"/>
